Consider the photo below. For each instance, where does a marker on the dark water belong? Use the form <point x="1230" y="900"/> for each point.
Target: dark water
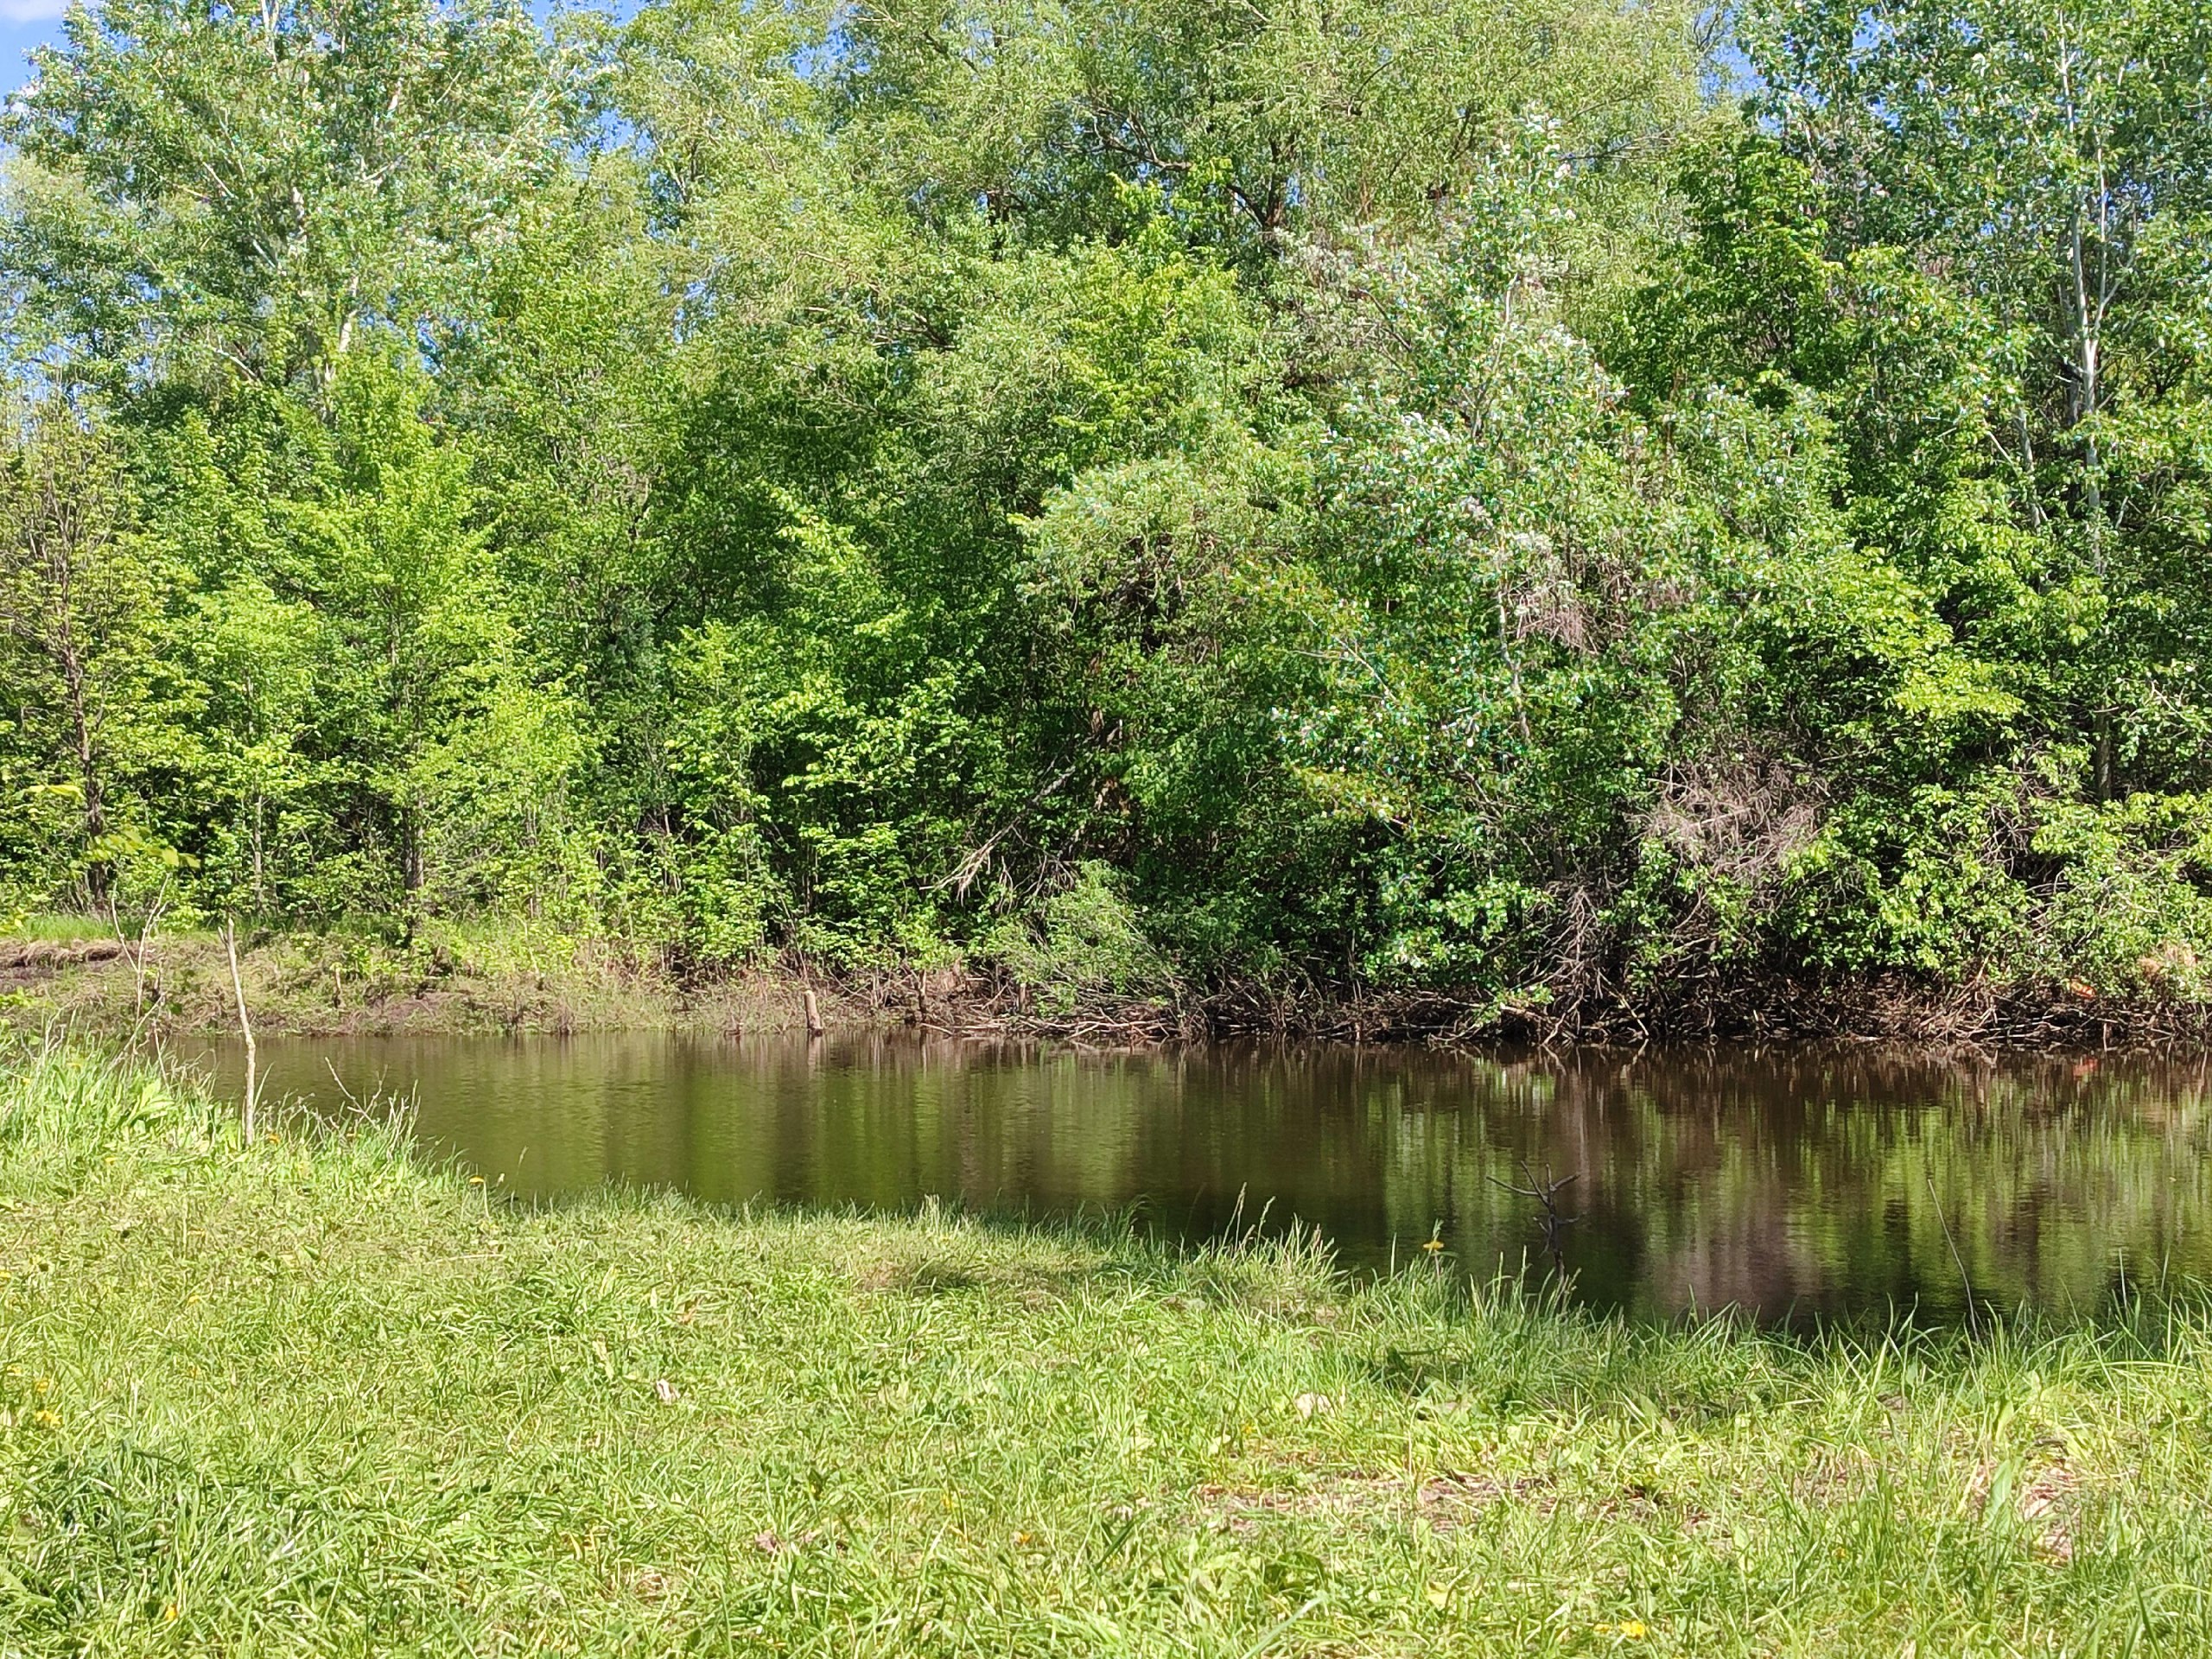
<point x="1790" y="1183"/>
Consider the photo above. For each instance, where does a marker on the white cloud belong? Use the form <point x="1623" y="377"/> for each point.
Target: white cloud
<point x="31" y="11"/>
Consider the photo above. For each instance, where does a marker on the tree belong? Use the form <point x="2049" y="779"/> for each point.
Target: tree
<point x="202" y="190"/>
<point x="2054" y="158"/>
<point x="1259" y="123"/>
<point x="1527" y="589"/>
<point x="82" y="601"/>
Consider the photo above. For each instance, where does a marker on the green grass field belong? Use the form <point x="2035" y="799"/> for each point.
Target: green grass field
<point x="314" y="1397"/>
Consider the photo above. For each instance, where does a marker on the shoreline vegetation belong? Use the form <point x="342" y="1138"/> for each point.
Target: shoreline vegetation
<point x="486" y="978"/>
<point x="312" y="1395"/>
<point x="1539" y="520"/>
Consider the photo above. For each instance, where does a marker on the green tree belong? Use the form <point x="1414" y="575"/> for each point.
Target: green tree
<point x="416" y="639"/>
<point x="2054" y="157"/>
<point x="199" y="191"/>
<point x="83" y="598"/>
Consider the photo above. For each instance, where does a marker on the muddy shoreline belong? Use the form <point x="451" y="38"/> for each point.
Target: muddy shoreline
<point x="311" y="984"/>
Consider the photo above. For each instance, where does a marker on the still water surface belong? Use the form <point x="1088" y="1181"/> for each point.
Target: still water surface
<point x="1791" y="1184"/>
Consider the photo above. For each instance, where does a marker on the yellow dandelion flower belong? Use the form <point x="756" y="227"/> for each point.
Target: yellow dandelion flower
<point x="42" y="1385"/>
<point x="1433" y="1245"/>
<point x="47" y="1419"/>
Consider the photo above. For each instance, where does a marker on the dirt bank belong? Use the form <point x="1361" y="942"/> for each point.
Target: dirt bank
<point x="323" y="984"/>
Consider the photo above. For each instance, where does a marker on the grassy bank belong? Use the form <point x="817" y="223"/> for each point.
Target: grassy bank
<point x="452" y="977"/>
<point x="314" y="1397"/>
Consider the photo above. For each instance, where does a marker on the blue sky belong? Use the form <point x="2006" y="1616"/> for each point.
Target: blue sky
<point x="25" y="24"/>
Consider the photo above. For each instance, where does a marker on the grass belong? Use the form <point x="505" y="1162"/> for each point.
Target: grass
<point x="452" y="976"/>
<point x="54" y="927"/>
<point x="312" y="1396"/>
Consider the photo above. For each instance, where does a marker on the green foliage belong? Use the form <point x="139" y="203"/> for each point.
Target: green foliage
<point x="1418" y="501"/>
<point x="1084" y="945"/>
<point x="201" y="191"/>
<point x="91" y="708"/>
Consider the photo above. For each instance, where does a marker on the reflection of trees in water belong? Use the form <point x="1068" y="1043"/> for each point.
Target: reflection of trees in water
<point x="1822" y="1177"/>
<point x="1818" y="1178"/>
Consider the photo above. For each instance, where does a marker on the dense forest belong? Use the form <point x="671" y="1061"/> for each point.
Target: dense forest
<point x="1562" y="511"/>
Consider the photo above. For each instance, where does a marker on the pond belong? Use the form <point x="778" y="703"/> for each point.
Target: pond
<point x="1793" y="1184"/>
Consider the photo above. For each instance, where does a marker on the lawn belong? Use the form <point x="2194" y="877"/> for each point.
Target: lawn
<point x="316" y="1396"/>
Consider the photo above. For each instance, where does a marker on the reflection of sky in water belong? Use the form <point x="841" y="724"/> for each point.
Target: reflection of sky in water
<point x="1790" y="1181"/>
